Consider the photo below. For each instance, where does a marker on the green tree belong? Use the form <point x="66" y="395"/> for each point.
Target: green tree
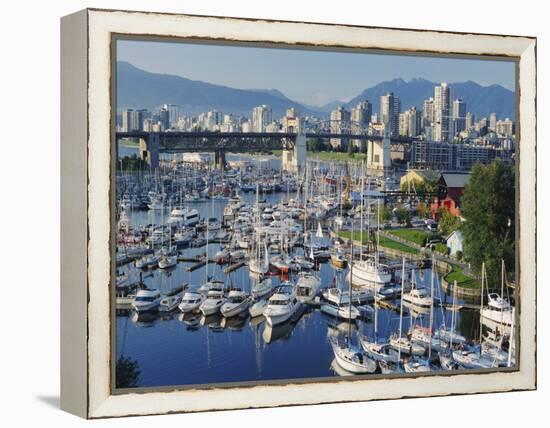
<point x="488" y="206"/>
<point x="403" y="216"/>
<point x="422" y="210"/>
<point x="127" y="372"/>
<point x="386" y="214"/>
<point x="448" y="223"/>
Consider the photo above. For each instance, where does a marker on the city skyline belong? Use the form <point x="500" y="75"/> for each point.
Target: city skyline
<point x="268" y="68"/>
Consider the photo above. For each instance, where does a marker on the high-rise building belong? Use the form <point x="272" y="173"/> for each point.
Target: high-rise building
<point x="361" y="117"/>
<point x="470" y="120"/>
<point x="164" y="118"/>
<point x="127" y="120"/>
<point x="338" y="118"/>
<point x="361" y="113"/>
<point x="428" y="112"/>
<point x="132" y="120"/>
<point x="390" y="107"/>
<point x="505" y="127"/>
<point x="442" y="112"/>
<point x="459" y="116"/>
<point x="261" y="117"/>
<point x="409" y="122"/>
<point x="173" y="114"/>
<point x="493" y="122"/>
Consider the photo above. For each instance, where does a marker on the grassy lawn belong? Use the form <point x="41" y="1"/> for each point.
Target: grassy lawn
<point x="384" y="242"/>
<point x="413" y="235"/>
<point x="335" y="156"/>
<point x="462" y="280"/>
<point x="441" y="247"/>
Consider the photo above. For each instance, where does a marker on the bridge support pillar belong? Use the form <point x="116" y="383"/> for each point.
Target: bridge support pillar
<point x="219" y="159"/>
<point x="149" y="149"/>
<point x="379" y="154"/>
<point x="293" y="160"/>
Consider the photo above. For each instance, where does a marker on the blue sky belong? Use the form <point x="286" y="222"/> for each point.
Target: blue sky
<point x="309" y="76"/>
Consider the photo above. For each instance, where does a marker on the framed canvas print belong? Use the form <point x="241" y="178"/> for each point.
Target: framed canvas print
<point x="263" y="213"/>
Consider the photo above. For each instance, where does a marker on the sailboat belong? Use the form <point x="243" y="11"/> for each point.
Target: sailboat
<point x="469" y="357"/>
<point x="349" y="356"/>
<point x="370" y="272"/>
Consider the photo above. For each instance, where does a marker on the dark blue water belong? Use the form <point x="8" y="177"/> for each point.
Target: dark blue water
<point x="172" y="350"/>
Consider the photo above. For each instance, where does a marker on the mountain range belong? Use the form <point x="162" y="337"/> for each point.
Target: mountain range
<point x="137" y="88"/>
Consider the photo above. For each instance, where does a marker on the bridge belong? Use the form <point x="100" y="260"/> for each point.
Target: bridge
<point x="293" y="144"/>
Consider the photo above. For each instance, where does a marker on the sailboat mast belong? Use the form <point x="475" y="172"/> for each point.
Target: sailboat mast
<point x="431" y="308"/>
<point x="349" y="288"/>
<point x="362" y="193"/>
<point x="401" y="311"/>
<point x="481" y="304"/>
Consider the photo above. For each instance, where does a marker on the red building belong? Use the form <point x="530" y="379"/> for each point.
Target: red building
<point x="450" y="190"/>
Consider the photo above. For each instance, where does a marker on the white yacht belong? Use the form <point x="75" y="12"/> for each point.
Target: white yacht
<point x="146" y="262"/>
<point x="213" y="302"/>
<point x="212" y="284"/>
<point x="262" y="287"/>
<point x="237" y="302"/>
<point x="190" y="302"/>
<point x="307" y="287"/>
<point x="418" y="297"/>
<point x="379" y="351"/>
<point x="169" y="303"/>
<point x="369" y="273"/>
<point x="146" y="300"/>
<point x="167" y="261"/>
<point x="499" y="311"/>
<point x="341" y="310"/>
<point x="257" y="308"/>
<point x="281" y="306"/>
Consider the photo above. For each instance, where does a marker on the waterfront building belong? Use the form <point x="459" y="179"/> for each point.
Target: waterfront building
<point x="455" y="243"/>
<point x="442" y="112"/>
<point x="390" y="107"/>
<point x="453" y="157"/>
<point x="459" y="116"/>
<point x="261" y="117"/>
<point x="338" y="120"/>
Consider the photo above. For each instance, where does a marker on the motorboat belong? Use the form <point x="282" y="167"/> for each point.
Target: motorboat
<point x="369" y="273"/>
<point x="257" y="308"/>
<point x="281" y="307"/>
<point x="237" y="302"/>
<point x="190" y="302"/>
<point x="338" y="261"/>
<point x="211" y="284"/>
<point x="146" y="300"/>
<point x="262" y="287"/>
<point x="418" y="297"/>
<point x="213" y="302"/>
<point x="169" y="303"/>
<point x="147" y="262"/>
<point x="338" y="296"/>
<point x="342" y="310"/>
<point x="307" y="287"/>
<point x="168" y="261"/>
<point x="499" y="311"/>
<point x="449" y="336"/>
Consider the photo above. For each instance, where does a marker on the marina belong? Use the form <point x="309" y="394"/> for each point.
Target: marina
<point x="242" y="275"/>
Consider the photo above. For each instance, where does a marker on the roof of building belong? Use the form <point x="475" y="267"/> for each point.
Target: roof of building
<point x="456" y="233"/>
<point x="456" y="180"/>
<point x="426" y="174"/>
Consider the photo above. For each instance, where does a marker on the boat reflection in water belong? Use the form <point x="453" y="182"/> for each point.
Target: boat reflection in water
<point x="278" y="332"/>
<point x="144" y="319"/>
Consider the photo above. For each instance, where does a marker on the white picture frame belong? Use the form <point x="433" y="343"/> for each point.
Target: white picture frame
<point x="86" y="216"/>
